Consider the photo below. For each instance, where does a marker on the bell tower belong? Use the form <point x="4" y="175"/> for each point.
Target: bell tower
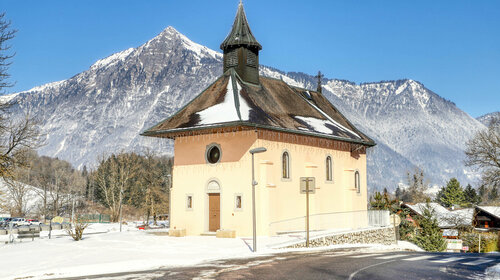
<point x="241" y="49"/>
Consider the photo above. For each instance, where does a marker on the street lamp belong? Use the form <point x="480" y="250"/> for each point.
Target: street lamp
<point x="254" y="183"/>
<point x="169" y="186"/>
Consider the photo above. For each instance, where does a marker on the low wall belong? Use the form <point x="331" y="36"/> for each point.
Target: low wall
<point x="383" y="235"/>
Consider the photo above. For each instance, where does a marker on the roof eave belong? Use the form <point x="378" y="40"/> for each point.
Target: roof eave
<point x="157" y="133"/>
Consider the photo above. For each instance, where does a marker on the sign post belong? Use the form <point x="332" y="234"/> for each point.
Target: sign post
<point x="307" y="185"/>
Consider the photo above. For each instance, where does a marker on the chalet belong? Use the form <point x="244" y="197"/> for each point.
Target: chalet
<point x="303" y="133"/>
<point x="487" y="217"/>
<point x="447" y="219"/>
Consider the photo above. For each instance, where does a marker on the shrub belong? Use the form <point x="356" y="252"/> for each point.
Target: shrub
<point x="76" y="232"/>
<point x="489" y="241"/>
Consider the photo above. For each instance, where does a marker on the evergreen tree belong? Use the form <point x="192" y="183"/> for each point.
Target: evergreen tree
<point x="398" y="193"/>
<point x="439" y="195"/>
<point x="376" y="201"/>
<point x="471" y="197"/>
<point x="483" y="193"/>
<point x="493" y="195"/>
<point x="429" y="236"/>
<point x="453" y="194"/>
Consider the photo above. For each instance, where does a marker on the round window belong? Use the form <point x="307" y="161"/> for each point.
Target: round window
<point x="213" y="154"/>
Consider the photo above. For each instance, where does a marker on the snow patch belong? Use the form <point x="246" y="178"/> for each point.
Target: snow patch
<point x="119" y="56"/>
<point x="226" y="111"/>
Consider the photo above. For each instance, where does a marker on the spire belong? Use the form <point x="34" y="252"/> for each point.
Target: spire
<point x="240" y="35"/>
<point x="241" y="49"/>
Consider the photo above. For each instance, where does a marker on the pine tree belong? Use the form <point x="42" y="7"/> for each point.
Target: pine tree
<point x="398" y="193"/>
<point x="471" y="197"/>
<point x="493" y="195"/>
<point x="453" y="194"/>
<point x="376" y="201"/>
<point x="429" y="236"/>
<point x="483" y="192"/>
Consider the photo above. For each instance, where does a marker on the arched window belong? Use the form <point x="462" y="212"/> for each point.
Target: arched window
<point x="286" y="166"/>
<point x="357" y="183"/>
<point x="329" y="172"/>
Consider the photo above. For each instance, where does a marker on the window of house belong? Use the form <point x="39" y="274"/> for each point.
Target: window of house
<point x="237" y="201"/>
<point x="357" y="183"/>
<point x="189" y="202"/>
<point x="213" y="153"/>
<point x="286" y="166"/>
<point x="329" y="172"/>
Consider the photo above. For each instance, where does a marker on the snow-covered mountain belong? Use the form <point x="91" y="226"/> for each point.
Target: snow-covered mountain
<point x="486" y="118"/>
<point x="104" y="109"/>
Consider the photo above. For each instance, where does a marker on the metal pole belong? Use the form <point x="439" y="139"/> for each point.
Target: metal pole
<point x="254" y="183"/>
<point x="479" y="251"/>
<point x="395" y="230"/>
<point x="307" y="212"/>
<point x="169" y="176"/>
<point x="253" y="207"/>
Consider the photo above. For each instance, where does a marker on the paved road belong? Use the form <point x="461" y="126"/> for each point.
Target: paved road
<point x="338" y="264"/>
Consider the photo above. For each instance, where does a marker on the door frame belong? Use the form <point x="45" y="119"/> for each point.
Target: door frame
<point x="209" y="190"/>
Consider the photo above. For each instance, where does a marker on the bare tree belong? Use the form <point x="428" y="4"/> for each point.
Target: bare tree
<point x="483" y="152"/>
<point x="18" y="193"/>
<point x="16" y="136"/>
<point x="416" y="188"/>
<point x="6" y="34"/>
<point x="112" y="178"/>
<point x="154" y="172"/>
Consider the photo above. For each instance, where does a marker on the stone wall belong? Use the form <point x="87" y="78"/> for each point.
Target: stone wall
<point x="384" y="235"/>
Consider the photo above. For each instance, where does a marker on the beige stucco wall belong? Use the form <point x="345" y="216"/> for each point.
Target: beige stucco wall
<point x="279" y="202"/>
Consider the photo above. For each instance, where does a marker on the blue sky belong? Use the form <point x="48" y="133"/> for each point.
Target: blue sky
<point x="452" y="47"/>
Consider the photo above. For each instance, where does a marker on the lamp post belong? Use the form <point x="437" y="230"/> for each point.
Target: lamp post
<point x="254" y="183"/>
<point x="169" y="186"/>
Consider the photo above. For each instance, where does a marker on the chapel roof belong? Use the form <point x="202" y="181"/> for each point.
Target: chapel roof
<point x="272" y="105"/>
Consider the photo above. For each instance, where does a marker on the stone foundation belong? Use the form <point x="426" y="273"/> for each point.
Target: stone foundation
<point x="383" y="235"/>
<point x="225" y="233"/>
<point x="177" y="232"/>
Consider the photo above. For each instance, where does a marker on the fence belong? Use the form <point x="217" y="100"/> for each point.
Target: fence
<point x="95" y="218"/>
<point x="333" y="221"/>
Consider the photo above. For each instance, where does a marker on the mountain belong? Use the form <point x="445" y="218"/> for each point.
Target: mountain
<point x="104" y="109"/>
<point x="486" y="118"/>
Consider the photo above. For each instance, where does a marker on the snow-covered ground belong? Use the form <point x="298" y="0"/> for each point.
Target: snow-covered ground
<point x="106" y="250"/>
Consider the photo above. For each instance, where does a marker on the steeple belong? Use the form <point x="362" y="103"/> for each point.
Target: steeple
<point x="241" y="49"/>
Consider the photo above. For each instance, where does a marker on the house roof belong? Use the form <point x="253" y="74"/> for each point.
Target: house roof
<point x="240" y="34"/>
<point x="273" y="105"/>
<point x="445" y="217"/>
<point x="492" y="210"/>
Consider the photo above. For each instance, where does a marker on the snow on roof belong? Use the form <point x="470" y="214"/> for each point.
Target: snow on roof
<point x="445" y="217"/>
<point x="493" y="210"/>
<point x="273" y="105"/>
<point x="233" y="107"/>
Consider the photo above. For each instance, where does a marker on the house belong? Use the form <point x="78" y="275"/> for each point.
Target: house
<point x="446" y="219"/>
<point x="487" y="217"/>
<point x="304" y="134"/>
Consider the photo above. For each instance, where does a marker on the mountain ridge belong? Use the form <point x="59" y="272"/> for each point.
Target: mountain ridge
<point x="106" y="107"/>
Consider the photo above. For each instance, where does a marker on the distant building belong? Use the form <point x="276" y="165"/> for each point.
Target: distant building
<point x="487" y="217"/>
<point x="304" y="134"/>
<point x="446" y="219"/>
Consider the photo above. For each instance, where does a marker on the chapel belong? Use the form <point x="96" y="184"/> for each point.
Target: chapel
<point x="304" y="136"/>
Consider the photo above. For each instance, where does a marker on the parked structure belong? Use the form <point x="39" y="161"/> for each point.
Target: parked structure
<point x="304" y="134"/>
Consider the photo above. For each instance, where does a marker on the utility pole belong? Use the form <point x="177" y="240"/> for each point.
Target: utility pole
<point x="307" y="212"/>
